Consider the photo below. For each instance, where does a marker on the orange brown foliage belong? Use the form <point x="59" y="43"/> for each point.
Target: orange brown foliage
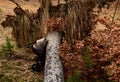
<point x="55" y="24"/>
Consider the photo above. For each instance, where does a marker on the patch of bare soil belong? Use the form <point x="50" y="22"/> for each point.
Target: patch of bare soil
<point x="7" y="7"/>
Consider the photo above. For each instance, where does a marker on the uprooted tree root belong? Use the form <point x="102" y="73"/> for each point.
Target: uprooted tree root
<point x="28" y="27"/>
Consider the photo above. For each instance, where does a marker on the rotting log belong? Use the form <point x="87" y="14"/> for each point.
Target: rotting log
<point x="53" y="67"/>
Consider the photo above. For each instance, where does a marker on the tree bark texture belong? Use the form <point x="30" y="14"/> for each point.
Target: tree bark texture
<point x="53" y="66"/>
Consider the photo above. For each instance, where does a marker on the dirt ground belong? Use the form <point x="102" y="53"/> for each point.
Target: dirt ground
<point x="11" y="69"/>
<point x="19" y="69"/>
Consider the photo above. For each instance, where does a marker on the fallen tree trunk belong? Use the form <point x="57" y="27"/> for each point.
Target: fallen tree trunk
<point x="53" y="66"/>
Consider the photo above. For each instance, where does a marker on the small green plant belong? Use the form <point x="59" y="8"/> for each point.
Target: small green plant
<point x="7" y="48"/>
<point x="87" y="61"/>
<point x="0" y="10"/>
<point x="76" y="77"/>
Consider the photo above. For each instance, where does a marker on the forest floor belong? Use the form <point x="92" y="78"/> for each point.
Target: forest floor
<point x="17" y="68"/>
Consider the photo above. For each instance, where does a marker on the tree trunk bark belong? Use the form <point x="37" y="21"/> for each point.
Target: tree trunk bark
<point x="53" y="66"/>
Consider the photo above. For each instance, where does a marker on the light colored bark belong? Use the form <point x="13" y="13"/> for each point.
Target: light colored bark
<point x="53" y="66"/>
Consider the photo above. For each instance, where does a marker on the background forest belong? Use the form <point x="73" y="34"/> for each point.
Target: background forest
<point x="90" y="48"/>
